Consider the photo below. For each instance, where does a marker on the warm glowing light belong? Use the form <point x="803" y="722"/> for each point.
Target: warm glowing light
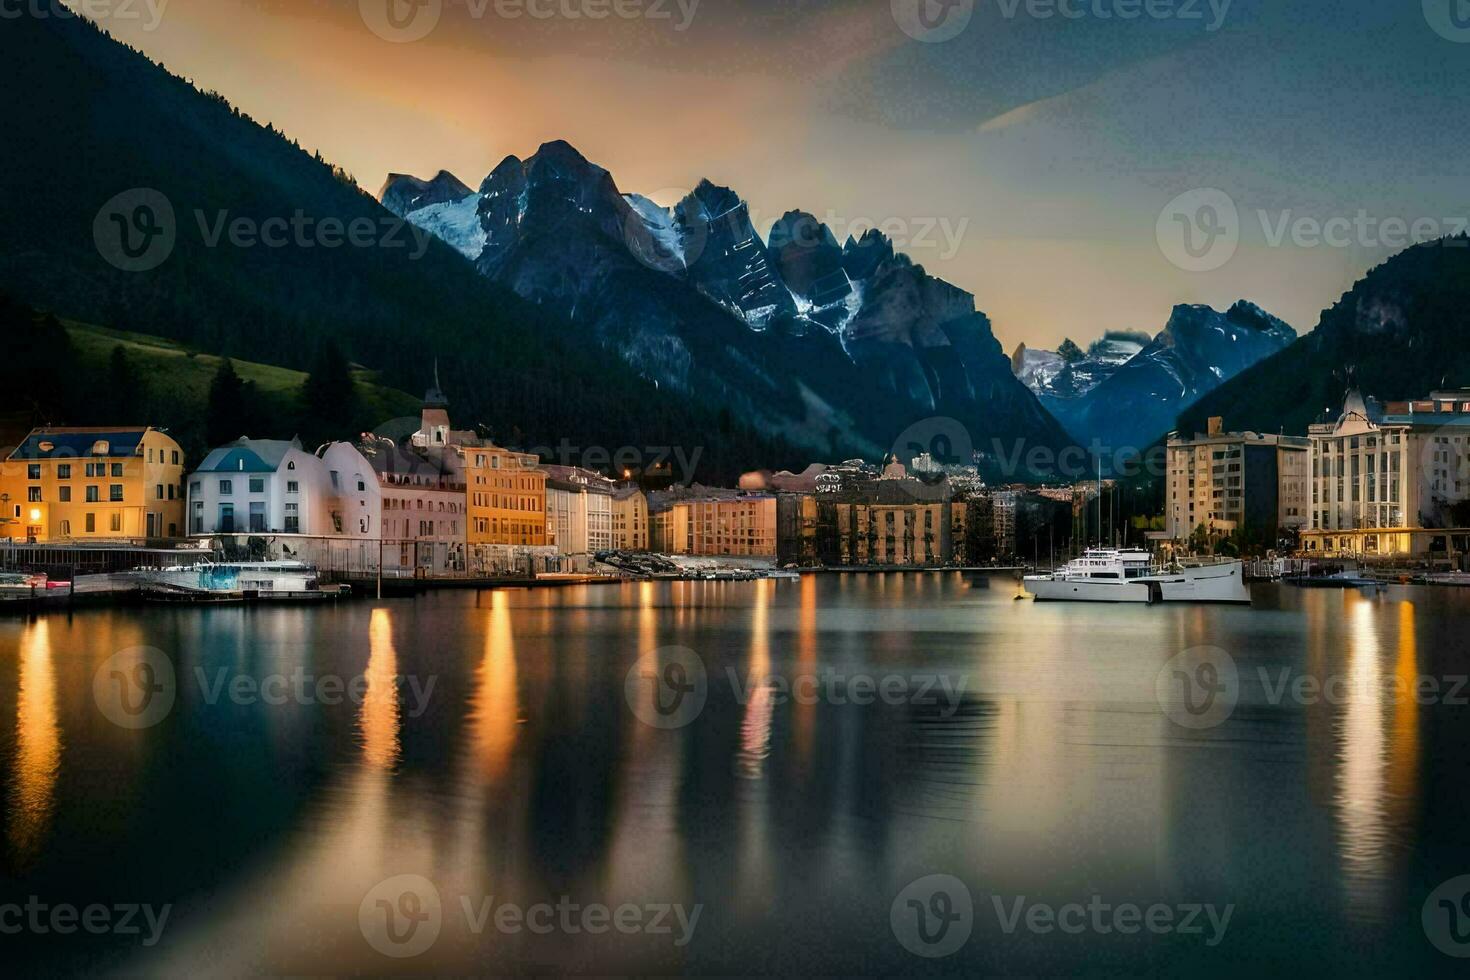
<point x="38" y="743"/>
<point x="35" y="513"/>
<point x="496" y="709"/>
<point x="379" y="717"/>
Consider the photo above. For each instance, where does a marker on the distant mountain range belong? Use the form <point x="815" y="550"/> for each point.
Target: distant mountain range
<point x="1399" y="333"/>
<point x="1127" y="391"/>
<point x="837" y="346"/>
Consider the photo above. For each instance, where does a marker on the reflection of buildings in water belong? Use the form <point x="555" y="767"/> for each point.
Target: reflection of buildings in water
<point x="37" y="745"/>
<point x="753" y="792"/>
<point x="646" y="856"/>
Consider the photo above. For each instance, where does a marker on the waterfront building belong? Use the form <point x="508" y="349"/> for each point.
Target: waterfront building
<point x="1003" y="504"/>
<point x="579" y="512"/>
<point x="730" y="524"/>
<point x="507" y="529"/>
<point x="1227" y="480"/>
<point x="630" y="518"/>
<point x="421" y="477"/>
<point x="275" y="487"/>
<point x="893" y="522"/>
<point x="97" y="483"/>
<point x="1391" y="479"/>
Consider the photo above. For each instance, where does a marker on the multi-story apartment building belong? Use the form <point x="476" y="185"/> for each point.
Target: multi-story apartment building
<point x="630" y="518"/>
<point x="892" y="522"/>
<point x="93" y="483"/>
<point x="734" y="525"/>
<point x="579" y="510"/>
<point x="1227" y="480"/>
<point x="1391" y="479"/>
<point x="507" y="496"/>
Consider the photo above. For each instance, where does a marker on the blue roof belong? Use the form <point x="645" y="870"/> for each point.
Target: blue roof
<point x="248" y="456"/>
<point x="79" y="443"/>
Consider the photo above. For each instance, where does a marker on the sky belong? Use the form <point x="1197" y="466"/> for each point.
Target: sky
<point x="1078" y="165"/>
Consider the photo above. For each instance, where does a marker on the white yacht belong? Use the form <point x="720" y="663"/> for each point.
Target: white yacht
<point x="1130" y="575"/>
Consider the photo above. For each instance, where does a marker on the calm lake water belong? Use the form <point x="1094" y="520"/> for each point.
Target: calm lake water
<point x="741" y="778"/>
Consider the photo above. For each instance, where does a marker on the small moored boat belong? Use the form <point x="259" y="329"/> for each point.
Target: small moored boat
<point x="249" y="581"/>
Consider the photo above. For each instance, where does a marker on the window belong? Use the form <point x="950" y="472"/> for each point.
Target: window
<point x="174" y="457"/>
<point x="293" y="520"/>
<point x="226" y="487"/>
<point x="194" y="488"/>
<point x="66" y="529"/>
<point x="117" y="469"/>
<point x="334" y="479"/>
<point x="158" y="492"/>
<point x="33" y="494"/>
<point x="291" y="465"/>
<point x="63" y="494"/>
<point x="257" y="515"/>
<point x="171" y="493"/>
<point x="91" y="524"/>
<point x="117" y="522"/>
<point x="33" y="471"/>
<point x="196" y="521"/>
<point x="257" y="484"/>
<point x="94" y="494"/>
<point x="227" y="518"/>
<point x="115" y="493"/>
<point x="292" y="486"/>
<point x="63" y="471"/>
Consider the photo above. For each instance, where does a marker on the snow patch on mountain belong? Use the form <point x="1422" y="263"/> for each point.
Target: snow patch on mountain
<point x="456" y="222"/>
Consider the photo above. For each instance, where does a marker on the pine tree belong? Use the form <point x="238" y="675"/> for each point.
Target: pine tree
<point x="329" y="396"/>
<point x="227" y="413"/>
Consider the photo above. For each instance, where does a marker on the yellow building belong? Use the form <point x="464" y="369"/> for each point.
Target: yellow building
<point x="506" y="496"/>
<point x="738" y="526"/>
<point x="630" y="519"/>
<point x="99" y="483"/>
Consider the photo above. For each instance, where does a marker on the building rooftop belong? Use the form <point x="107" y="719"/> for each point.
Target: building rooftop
<point x="246" y="455"/>
<point x="98" y="441"/>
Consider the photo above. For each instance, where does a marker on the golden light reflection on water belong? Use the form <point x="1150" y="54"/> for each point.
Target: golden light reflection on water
<point x="38" y="744"/>
<point x="804" y="722"/>
<point x="495" y="708"/>
<point x="755" y="728"/>
<point x="1377" y="764"/>
<point x="379" y="720"/>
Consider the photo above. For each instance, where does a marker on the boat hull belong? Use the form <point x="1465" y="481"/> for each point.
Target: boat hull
<point x="1044" y="588"/>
